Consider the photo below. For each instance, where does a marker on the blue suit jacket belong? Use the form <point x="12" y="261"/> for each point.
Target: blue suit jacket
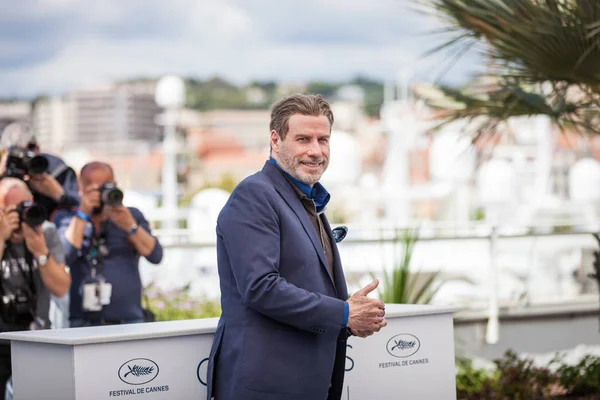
<point x="280" y="334"/>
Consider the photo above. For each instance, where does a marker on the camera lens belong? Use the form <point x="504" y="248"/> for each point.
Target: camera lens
<point x="38" y="165"/>
<point x="33" y="215"/>
<point x="111" y="195"/>
<point x="114" y="197"/>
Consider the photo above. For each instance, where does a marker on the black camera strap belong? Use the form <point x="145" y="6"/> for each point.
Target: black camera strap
<point x="97" y="252"/>
<point x="28" y="276"/>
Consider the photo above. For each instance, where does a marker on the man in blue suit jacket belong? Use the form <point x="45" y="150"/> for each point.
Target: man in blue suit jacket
<point x="286" y="310"/>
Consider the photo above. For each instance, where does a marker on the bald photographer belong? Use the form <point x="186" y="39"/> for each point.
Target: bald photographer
<point x="104" y="241"/>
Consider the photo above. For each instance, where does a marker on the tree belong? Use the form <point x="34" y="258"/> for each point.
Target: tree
<point x="543" y="59"/>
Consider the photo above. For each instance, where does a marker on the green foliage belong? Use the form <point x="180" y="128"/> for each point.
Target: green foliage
<point x="373" y="94"/>
<point x="178" y="304"/>
<point x="479" y="214"/>
<point x="217" y="93"/>
<point x="532" y="40"/>
<point x="582" y="378"/>
<point x="226" y="182"/>
<point x="562" y="228"/>
<point x="470" y="380"/>
<point x="325" y="89"/>
<point x="401" y="285"/>
<point x="519" y="378"/>
<point x="269" y="87"/>
<point x="542" y="57"/>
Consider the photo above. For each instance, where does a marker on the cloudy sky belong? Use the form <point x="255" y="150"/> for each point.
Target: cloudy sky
<point x="52" y="46"/>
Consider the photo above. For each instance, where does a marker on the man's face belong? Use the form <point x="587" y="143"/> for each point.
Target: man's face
<point x="304" y="153"/>
<point x="93" y="180"/>
<point x="14" y="197"/>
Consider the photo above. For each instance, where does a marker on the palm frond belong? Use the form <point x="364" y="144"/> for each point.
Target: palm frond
<point x="539" y="40"/>
<point x="487" y="108"/>
<point x="529" y="44"/>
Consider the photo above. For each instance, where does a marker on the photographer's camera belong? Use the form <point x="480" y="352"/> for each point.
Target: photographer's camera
<point x="21" y="162"/>
<point x="111" y="195"/>
<point x="17" y="307"/>
<point x="31" y="213"/>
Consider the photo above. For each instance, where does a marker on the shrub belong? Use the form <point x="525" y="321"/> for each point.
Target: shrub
<point x="517" y="378"/>
<point x="402" y="285"/>
<point x="178" y="304"/>
<point x="582" y="378"/>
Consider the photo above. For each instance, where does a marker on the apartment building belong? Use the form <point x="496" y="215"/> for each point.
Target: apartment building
<point x="110" y="119"/>
<point x="14" y="111"/>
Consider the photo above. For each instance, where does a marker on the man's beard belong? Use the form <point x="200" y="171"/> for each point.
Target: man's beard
<point x="97" y="210"/>
<point x="293" y="167"/>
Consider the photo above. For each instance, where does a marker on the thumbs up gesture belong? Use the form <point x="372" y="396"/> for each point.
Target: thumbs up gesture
<point x="366" y="315"/>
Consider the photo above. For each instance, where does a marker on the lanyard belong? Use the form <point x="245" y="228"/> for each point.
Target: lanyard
<point x="97" y="251"/>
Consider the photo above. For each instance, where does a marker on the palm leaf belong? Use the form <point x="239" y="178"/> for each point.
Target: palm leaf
<point x="529" y="43"/>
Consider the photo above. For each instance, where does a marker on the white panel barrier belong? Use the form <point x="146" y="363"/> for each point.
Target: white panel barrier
<point x="412" y="358"/>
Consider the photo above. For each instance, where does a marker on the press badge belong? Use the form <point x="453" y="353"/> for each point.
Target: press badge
<point x="95" y="295"/>
<point x="91" y="297"/>
<point x="105" y="293"/>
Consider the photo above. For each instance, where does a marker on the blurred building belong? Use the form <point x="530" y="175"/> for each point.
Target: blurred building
<point x="53" y="123"/>
<point x="14" y="111"/>
<point x="112" y="118"/>
<point x="117" y="113"/>
<point x="250" y="128"/>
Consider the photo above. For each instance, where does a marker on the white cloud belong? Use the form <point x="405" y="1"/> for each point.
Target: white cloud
<point x="77" y="43"/>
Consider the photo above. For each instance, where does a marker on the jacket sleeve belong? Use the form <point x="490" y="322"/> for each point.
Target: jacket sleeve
<point x="249" y="229"/>
<point x="156" y="255"/>
<point x="71" y="193"/>
<point x="62" y="219"/>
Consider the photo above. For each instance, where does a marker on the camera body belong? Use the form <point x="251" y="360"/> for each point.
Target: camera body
<point x="17" y="307"/>
<point x="110" y="195"/>
<point x="22" y="161"/>
<point x="31" y="213"/>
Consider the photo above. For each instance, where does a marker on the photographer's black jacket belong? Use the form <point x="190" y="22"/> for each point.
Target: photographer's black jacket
<point x="67" y="178"/>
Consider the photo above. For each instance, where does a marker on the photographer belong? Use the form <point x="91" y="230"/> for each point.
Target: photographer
<point x="53" y="183"/>
<point x="33" y="266"/>
<point x="103" y="242"/>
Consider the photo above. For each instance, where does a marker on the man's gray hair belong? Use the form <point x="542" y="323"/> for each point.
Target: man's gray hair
<point x="7" y="184"/>
<point x="298" y="103"/>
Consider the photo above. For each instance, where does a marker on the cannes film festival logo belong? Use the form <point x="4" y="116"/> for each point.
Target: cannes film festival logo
<point x="403" y="345"/>
<point x="138" y="371"/>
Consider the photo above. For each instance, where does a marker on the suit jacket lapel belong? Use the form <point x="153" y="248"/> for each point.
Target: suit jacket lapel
<point x="340" y="280"/>
<point x="291" y="198"/>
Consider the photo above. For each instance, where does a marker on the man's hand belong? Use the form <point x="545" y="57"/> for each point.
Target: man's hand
<point x="366" y="315"/>
<point x="9" y="222"/>
<point x="90" y="199"/>
<point x="34" y="240"/>
<point x="47" y="185"/>
<point x="361" y="334"/>
<point x="121" y="217"/>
